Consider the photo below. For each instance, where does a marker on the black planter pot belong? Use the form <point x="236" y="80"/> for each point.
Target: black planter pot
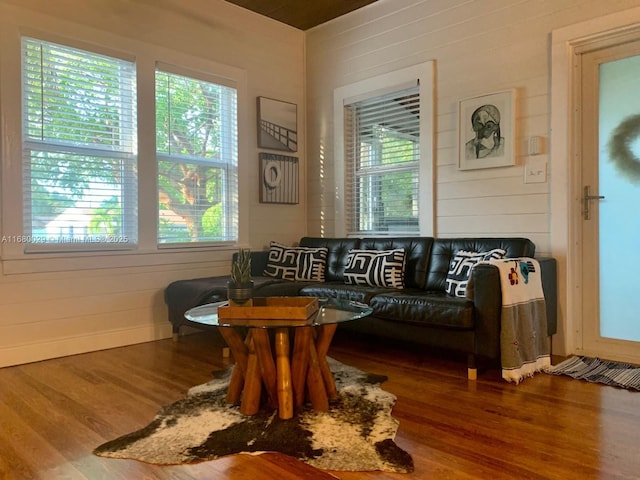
<point x="240" y="293"/>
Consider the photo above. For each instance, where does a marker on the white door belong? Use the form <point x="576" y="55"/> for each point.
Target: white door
<point x="610" y="224"/>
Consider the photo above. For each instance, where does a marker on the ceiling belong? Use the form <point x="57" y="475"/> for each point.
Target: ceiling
<point x="302" y="14"/>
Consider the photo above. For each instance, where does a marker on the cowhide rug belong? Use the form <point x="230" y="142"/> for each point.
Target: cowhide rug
<point x="356" y="434"/>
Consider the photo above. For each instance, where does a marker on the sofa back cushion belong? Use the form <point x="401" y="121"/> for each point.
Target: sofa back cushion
<point x="417" y="253"/>
<point x="445" y="248"/>
<point x="337" y="251"/>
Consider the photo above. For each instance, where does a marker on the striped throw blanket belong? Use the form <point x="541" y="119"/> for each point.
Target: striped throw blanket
<point x="524" y="344"/>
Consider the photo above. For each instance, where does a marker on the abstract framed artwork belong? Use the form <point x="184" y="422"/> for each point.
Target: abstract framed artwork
<point x="486" y="131"/>
<point x="277" y="125"/>
<point x="278" y="179"/>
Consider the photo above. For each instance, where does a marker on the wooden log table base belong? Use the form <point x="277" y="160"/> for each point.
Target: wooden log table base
<point x="283" y="379"/>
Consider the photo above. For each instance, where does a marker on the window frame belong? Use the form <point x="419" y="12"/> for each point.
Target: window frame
<point x="421" y="75"/>
<point x="231" y="183"/>
<point x="127" y="238"/>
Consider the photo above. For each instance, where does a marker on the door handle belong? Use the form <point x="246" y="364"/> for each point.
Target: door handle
<point x="586" y="199"/>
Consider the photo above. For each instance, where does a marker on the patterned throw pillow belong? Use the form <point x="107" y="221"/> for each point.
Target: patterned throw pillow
<point x="296" y="263"/>
<point x="460" y="269"/>
<point x="375" y="268"/>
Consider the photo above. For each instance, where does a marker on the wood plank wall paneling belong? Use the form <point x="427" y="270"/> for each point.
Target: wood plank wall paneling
<point x="42" y="316"/>
<point x="112" y="301"/>
<point x="479" y="47"/>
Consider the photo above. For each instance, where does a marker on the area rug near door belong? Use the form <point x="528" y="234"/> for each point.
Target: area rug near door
<point x="356" y="434"/>
<point x="623" y="375"/>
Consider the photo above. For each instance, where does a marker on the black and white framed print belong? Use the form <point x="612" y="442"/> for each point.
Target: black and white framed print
<point x="278" y="179"/>
<point x="486" y="131"/>
<point x="277" y="125"/>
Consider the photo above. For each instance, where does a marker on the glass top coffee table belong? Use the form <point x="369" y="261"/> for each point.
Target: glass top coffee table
<point x="290" y="375"/>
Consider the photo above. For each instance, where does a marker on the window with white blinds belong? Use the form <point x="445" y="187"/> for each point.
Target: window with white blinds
<point x="79" y="148"/>
<point x="382" y="164"/>
<point x="197" y="153"/>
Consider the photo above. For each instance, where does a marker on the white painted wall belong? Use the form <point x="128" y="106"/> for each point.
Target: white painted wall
<point x="479" y="47"/>
<point x="53" y="306"/>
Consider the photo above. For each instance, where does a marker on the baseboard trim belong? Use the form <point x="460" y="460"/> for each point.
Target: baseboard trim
<point x="62" y="347"/>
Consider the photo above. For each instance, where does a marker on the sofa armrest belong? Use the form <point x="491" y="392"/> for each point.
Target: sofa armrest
<point x="486" y="293"/>
<point x="549" y="275"/>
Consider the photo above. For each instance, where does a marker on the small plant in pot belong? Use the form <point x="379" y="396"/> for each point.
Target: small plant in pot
<point x="240" y="287"/>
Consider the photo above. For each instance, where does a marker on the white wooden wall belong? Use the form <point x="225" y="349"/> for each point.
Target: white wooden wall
<point x="50" y="308"/>
<point x="479" y="47"/>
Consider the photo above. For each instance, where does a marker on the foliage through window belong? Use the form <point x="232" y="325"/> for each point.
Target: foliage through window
<point x="79" y="147"/>
<point x="382" y="160"/>
<point x="196" y="143"/>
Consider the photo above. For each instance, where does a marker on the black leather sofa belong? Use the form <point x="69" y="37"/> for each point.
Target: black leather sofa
<point x="421" y="313"/>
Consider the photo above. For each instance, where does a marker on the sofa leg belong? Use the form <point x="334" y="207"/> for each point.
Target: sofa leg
<point x="176" y="333"/>
<point x="472" y="371"/>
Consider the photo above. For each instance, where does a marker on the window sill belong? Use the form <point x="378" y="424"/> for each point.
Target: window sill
<point x="100" y="260"/>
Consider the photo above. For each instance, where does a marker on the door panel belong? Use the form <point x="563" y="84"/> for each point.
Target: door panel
<point x="610" y="146"/>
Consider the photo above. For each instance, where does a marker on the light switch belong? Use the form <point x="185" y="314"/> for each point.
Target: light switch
<point x="536" y="145"/>
<point x="535" y="169"/>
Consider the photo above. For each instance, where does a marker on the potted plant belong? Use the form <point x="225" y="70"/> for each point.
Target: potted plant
<point x="240" y="287"/>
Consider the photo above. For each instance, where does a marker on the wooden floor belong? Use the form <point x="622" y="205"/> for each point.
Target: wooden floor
<point x="53" y="413"/>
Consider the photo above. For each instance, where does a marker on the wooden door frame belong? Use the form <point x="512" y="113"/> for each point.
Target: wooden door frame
<point x="566" y="181"/>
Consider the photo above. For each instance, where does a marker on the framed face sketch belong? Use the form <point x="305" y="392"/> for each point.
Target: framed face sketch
<point x="486" y="131"/>
<point x="277" y="125"/>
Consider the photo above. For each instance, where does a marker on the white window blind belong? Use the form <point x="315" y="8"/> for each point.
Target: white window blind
<point x="79" y="148"/>
<point x="382" y="160"/>
<point x="197" y="151"/>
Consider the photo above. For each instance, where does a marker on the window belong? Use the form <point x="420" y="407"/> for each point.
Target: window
<point x="382" y="160"/>
<point x="384" y="150"/>
<point x="79" y="148"/>
<point x="197" y="152"/>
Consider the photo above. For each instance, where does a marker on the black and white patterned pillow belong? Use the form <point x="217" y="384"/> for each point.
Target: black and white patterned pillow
<point x="460" y="269"/>
<point x="296" y="263"/>
<point x="375" y="268"/>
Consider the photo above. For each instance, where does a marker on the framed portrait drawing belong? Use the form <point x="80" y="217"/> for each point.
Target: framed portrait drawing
<point x="486" y="131"/>
<point x="278" y="179"/>
<point x="277" y="125"/>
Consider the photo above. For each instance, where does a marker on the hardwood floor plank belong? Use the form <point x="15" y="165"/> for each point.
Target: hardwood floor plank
<point x="53" y="413"/>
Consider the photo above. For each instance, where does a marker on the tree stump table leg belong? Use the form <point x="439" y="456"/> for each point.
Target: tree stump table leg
<point x="300" y="363"/>
<point x="283" y="373"/>
<point x="315" y="383"/>
<point x="239" y="350"/>
<point x="325" y="335"/>
<point x="267" y="364"/>
<point x="250" y="404"/>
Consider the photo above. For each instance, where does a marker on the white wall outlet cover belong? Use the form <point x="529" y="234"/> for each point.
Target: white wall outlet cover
<point x="535" y="169"/>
